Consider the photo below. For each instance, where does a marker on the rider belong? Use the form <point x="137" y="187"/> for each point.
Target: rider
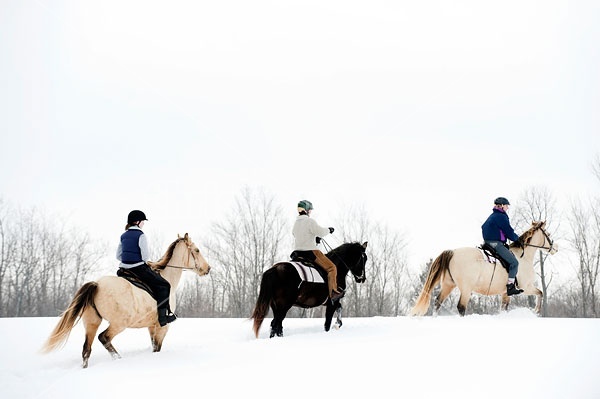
<point x="496" y="229"/>
<point x="307" y="233"/>
<point x="133" y="254"/>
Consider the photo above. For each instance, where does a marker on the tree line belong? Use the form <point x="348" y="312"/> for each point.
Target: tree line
<point x="42" y="263"/>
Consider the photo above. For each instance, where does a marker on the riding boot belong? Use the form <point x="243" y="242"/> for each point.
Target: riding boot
<point x="165" y="317"/>
<point x="511" y="289"/>
<point x="336" y="295"/>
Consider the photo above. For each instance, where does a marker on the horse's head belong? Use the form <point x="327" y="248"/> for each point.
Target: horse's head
<point x="355" y="259"/>
<point x="191" y="256"/>
<point x="538" y="237"/>
<point x="183" y="254"/>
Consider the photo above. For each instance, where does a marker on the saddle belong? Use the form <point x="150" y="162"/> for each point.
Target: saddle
<point x="492" y="255"/>
<point x="307" y="267"/>
<point x="132" y="278"/>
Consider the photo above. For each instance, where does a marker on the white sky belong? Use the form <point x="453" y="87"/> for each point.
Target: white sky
<point x="402" y="107"/>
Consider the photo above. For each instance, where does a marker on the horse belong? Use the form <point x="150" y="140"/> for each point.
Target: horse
<point x="281" y="287"/>
<point x="124" y="305"/>
<point x="468" y="269"/>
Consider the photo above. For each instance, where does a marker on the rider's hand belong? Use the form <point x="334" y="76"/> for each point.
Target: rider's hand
<point x="318" y="240"/>
<point x="331" y="230"/>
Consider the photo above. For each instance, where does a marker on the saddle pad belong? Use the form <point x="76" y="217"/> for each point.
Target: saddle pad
<point x="307" y="273"/>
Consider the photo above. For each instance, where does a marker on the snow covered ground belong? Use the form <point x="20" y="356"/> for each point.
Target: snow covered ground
<point x="511" y="355"/>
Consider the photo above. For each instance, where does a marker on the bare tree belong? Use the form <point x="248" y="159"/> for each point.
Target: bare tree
<point x="246" y="243"/>
<point x="388" y="285"/>
<point x="41" y="264"/>
<point x="538" y="204"/>
<point x="585" y="240"/>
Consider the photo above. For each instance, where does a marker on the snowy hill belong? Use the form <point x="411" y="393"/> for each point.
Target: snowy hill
<point x="510" y="355"/>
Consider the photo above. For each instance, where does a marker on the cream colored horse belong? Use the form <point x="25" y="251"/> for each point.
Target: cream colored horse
<point x="467" y="269"/>
<point x="123" y="305"/>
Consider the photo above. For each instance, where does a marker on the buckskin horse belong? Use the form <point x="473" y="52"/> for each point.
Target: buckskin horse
<point x="468" y="269"/>
<point x="124" y="305"/>
<point x="281" y="287"/>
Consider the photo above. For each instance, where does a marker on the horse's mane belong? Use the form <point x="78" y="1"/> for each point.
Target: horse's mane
<point x="162" y="263"/>
<point x="526" y="236"/>
<point x="348" y="246"/>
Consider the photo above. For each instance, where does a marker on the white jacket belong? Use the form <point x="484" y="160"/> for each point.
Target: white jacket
<point x="305" y="230"/>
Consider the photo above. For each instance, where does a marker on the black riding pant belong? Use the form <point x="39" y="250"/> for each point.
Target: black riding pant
<point x="160" y="287"/>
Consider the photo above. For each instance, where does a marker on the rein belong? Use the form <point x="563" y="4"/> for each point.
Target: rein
<point x="546" y="238"/>
<point x="188" y="261"/>
<point x="329" y="249"/>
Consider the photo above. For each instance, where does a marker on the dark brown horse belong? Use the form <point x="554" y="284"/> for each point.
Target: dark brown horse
<point x="281" y="288"/>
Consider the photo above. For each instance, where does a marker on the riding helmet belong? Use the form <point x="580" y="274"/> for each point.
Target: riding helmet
<point x="501" y="201"/>
<point x="306" y="205"/>
<point x="136" y="216"/>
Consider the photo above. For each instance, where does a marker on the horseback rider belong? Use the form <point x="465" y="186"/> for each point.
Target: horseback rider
<point x="133" y="254"/>
<point x="307" y="233"/>
<point x="496" y="229"/>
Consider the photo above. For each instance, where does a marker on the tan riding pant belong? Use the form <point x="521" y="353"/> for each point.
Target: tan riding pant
<point x="329" y="267"/>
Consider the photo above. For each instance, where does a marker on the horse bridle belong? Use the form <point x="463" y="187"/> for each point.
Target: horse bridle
<point x="362" y="258"/>
<point x="546" y="238"/>
<point x="196" y="267"/>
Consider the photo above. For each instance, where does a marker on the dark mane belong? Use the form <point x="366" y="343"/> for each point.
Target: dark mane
<point x="347" y="247"/>
<point x="162" y="263"/>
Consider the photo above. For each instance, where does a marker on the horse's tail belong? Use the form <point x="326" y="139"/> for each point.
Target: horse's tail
<point x="83" y="298"/>
<point x="263" y="301"/>
<point x="436" y="272"/>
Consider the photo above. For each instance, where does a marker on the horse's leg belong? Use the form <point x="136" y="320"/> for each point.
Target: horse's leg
<point x="463" y="302"/>
<point x="505" y="302"/>
<point x="331" y="308"/>
<point x="445" y="290"/>
<point x="277" y="323"/>
<point x="531" y="290"/>
<point x="106" y="337"/>
<point x="338" y="315"/>
<point x="91" y="322"/>
<point x="157" y="335"/>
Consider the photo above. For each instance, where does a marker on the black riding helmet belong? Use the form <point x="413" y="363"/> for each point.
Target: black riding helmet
<point x="501" y="201"/>
<point x="136" y="216"/>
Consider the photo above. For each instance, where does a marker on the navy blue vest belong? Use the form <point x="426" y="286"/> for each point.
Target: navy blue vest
<point x="130" y="246"/>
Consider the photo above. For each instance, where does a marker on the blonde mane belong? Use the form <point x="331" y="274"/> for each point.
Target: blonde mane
<point x="162" y="263"/>
<point x="526" y="236"/>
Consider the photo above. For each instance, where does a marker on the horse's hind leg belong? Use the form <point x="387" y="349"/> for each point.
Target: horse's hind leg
<point x="277" y="322"/>
<point x="463" y="302"/>
<point x="91" y="322"/>
<point x="445" y="290"/>
<point x="107" y="336"/>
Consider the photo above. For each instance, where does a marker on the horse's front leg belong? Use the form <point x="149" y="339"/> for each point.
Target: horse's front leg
<point x="157" y="335"/>
<point x="332" y="307"/>
<point x="338" y="315"/>
<point x="505" y="302"/>
<point x="531" y="290"/>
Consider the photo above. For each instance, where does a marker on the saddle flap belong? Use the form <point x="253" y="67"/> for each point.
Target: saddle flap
<point x="133" y="279"/>
<point x="308" y="271"/>
<point x="492" y="256"/>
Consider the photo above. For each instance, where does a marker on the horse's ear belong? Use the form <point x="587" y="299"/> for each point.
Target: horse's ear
<point x="186" y="237"/>
<point x="364" y="245"/>
<point x="178" y="236"/>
